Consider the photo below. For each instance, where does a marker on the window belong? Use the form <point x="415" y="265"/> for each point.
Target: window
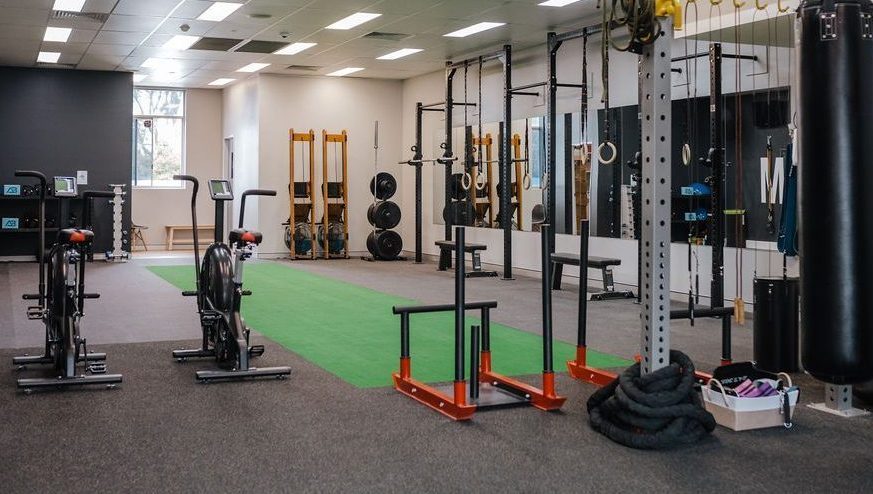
<point x="537" y="151"/>
<point x="158" y="137"/>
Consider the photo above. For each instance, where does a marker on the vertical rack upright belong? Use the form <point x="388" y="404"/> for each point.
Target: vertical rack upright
<point x="302" y="193"/>
<point x="335" y="195"/>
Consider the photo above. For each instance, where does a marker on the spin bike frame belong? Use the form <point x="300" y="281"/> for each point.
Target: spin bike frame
<point x="62" y="307"/>
<point x="222" y="267"/>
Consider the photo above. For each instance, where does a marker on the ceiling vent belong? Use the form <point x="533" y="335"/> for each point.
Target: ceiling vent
<point x="387" y="36"/>
<point x="80" y="16"/>
<point x="256" y="46"/>
<point x="215" y="44"/>
<point x="304" y="68"/>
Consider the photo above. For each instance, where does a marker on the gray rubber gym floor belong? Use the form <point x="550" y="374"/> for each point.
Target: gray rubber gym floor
<point x="162" y="432"/>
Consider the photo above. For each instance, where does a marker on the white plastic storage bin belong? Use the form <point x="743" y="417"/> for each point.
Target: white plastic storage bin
<point x="741" y="414"/>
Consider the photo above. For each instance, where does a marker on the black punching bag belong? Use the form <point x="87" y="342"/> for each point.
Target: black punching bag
<point x="835" y="63"/>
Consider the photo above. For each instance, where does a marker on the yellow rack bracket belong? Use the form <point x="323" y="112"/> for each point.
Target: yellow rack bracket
<point x="669" y="8"/>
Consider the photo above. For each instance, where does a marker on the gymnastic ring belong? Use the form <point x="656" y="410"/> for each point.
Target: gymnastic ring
<point x="613" y="150"/>
<point x="480" y="184"/>
<point x="525" y="181"/>
<point x="686" y="154"/>
<point x="466" y="181"/>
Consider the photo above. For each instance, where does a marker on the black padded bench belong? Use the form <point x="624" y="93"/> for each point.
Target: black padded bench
<point x="604" y="264"/>
<point x="448" y="246"/>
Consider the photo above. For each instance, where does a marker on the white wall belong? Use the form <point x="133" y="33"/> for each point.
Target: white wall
<point x="528" y="67"/>
<point x="156" y="208"/>
<point x="241" y="113"/>
<point x="260" y="111"/>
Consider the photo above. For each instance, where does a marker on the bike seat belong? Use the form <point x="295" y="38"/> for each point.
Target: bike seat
<point x="69" y="236"/>
<point x="241" y="236"/>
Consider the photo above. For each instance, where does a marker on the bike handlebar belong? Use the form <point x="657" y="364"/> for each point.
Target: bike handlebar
<point x="193" y="180"/>
<point x="251" y="192"/>
<point x="89" y="194"/>
<point x="259" y="192"/>
<point x="33" y="174"/>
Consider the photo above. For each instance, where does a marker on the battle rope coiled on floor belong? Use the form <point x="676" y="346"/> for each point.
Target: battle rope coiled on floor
<point x="655" y="411"/>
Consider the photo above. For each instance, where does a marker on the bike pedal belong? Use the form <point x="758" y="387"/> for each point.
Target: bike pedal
<point x="97" y="368"/>
<point x="34" y="312"/>
<point x="256" y="350"/>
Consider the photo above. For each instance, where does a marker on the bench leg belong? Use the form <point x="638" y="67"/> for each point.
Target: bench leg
<point x="445" y="259"/>
<point x="557" y="272"/>
<point x="170" y="239"/>
<point x="608" y="283"/>
<point x="477" y="262"/>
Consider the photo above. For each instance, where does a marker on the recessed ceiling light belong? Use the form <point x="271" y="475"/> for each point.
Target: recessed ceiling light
<point x="475" y="28"/>
<point x="394" y="55"/>
<point x="139" y="77"/>
<point x="294" y="48"/>
<point x="218" y="11"/>
<point x="221" y="82"/>
<point x="557" y="3"/>
<point x="345" y="71"/>
<point x="48" y="57"/>
<point x="69" y="5"/>
<point x="181" y="42"/>
<point x="253" y="67"/>
<point x="353" y="20"/>
<point x="57" y="34"/>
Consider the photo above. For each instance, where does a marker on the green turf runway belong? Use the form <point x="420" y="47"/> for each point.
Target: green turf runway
<point x="350" y="331"/>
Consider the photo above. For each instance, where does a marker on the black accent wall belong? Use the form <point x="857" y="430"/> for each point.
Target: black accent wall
<point x="58" y="122"/>
<point x="764" y="114"/>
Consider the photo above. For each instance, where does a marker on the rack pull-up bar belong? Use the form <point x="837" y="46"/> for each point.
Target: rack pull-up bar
<point x="515" y="90"/>
<point x="706" y="54"/>
<point x="475" y="60"/>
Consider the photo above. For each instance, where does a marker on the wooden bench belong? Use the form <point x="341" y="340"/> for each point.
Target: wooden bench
<point x="604" y="264"/>
<point x="448" y="246"/>
<point x="173" y="229"/>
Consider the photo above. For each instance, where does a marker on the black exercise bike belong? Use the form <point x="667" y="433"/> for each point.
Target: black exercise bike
<point x="60" y="300"/>
<point x="219" y="291"/>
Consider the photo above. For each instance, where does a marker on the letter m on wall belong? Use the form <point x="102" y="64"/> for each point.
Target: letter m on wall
<point x="778" y="183"/>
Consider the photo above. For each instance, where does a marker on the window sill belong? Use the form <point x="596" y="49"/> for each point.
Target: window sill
<point x="156" y="187"/>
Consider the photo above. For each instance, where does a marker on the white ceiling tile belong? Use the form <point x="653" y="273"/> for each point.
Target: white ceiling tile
<point x="120" y="37"/>
<point x="99" y="62"/>
<point x="146" y="7"/>
<point x="29" y="4"/>
<point x="121" y="43"/>
<point x="119" y="50"/>
<point x="195" y="27"/>
<point x="24" y="17"/>
<point x="98" y="6"/>
<point x="65" y="48"/>
<point x="82" y="36"/>
<point x="403" y="7"/>
<point x="20" y="33"/>
<point x="131" y="23"/>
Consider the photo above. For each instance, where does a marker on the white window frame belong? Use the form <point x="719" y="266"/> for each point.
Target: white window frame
<point x="184" y="118"/>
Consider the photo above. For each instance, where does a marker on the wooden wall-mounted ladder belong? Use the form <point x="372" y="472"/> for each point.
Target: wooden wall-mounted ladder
<point x="485" y="198"/>
<point x="517" y="188"/>
<point x="334" y="235"/>
<point x="302" y="192"/>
